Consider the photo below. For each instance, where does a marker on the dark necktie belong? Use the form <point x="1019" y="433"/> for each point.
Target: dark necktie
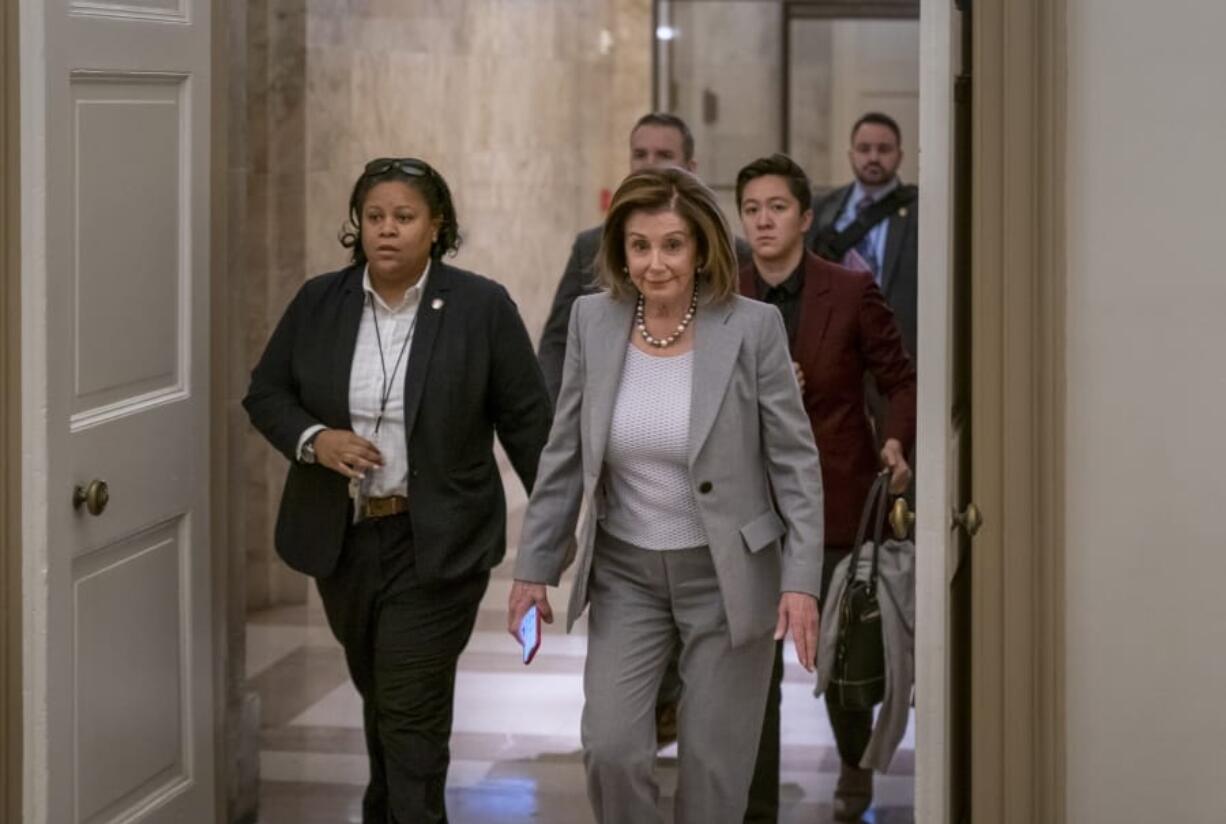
<point x="866" y="249"/>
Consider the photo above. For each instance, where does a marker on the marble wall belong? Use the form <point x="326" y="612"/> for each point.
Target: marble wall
<point x="238" y="722"/>
<point x="275" y="245"/>
<point x="521" y="105"/>
<point x="524" y="106"/>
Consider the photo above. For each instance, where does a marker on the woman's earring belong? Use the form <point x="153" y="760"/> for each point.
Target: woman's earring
<point x="626" y="269"/>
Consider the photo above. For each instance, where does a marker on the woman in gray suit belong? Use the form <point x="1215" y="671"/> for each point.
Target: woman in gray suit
<point x="680" y="424"/>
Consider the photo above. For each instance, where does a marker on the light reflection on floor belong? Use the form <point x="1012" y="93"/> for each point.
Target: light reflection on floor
<point x="515" y="749"/>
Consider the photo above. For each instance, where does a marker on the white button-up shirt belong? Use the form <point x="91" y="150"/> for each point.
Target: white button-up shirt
<point x="367" y="385"/>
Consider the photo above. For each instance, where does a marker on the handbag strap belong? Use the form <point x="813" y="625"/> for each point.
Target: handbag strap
<point x="875" y="501"/>
<point x="883" y="501"/>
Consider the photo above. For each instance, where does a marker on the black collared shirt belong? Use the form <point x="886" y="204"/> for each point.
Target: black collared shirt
<point x="786" y="296"/>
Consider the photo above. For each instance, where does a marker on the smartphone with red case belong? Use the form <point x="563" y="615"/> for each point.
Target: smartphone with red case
<point x="530" y="633"/>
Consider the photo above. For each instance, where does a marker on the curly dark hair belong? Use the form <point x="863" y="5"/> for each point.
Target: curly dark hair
<point x="429" y="184"/>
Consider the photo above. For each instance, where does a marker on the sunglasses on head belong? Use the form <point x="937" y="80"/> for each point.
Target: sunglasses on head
<point x="410" y="166"/>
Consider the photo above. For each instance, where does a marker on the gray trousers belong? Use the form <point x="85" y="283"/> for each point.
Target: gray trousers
<point x="645" y="605"/>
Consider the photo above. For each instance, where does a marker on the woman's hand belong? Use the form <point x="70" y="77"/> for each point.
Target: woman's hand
<point x="798" y="614"/>
<point x="892" y="459"/>
<point x="800" y="376"/>
<point x="342" y="451"/>
<point x="523" y="595"/>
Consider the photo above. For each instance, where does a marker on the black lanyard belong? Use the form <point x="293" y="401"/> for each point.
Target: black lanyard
<point x="386" y="391"/>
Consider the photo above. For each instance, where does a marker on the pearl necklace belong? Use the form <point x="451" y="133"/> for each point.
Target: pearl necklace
<point x="661" y="343"/>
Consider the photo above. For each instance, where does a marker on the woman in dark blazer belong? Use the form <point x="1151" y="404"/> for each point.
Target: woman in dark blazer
<point x="680" y="424"/>
<point x="840" y="329"/>
<point x="384" y="384"/>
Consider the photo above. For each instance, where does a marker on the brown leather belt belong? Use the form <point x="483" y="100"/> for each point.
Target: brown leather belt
<point x="383" y="507"/>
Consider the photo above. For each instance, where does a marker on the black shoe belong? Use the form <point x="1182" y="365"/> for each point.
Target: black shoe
<point x="854" y="793"/>
<point x="666" y="723"/>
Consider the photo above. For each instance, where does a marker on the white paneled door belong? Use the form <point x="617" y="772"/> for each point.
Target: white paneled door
<point x="115" y="283"/>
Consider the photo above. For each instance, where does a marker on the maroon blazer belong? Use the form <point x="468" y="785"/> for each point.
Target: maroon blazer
<point x="846" y="329"/>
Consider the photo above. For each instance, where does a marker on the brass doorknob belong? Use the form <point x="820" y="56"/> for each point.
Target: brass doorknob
<point x="970" y="519"/>
<point x="95" y="497"/>
<point x="901" y="519"/>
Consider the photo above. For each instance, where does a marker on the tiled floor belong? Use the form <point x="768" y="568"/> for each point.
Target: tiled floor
<point x="515" y="748"/>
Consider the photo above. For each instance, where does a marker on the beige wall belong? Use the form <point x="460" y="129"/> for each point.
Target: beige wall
<point x="731" y="51"/>
<point x="268" y="158"/>
<point x="524" y="106"/>
<point x="727" y="52"/>
<point x="840" y="70"/>
<point x="1146" y="552"/>
<point x="514" y="103"/>
<point x="237" y="716"/>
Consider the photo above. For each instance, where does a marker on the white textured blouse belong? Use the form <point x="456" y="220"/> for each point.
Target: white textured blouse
<point x="650" y="498"/>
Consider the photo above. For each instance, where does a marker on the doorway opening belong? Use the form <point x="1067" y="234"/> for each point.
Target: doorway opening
<point x="711" y="89"/>
<point x="754" y="78"/>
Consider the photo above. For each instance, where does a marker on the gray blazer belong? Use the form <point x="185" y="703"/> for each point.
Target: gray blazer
<point x="579" y="278"/>
<point x="753" y="462"/>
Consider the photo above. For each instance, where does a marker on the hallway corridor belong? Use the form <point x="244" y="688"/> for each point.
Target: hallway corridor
<point x="515" y="745"/>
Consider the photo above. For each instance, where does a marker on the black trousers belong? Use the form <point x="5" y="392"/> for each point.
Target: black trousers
<point x="852" y="729"/>
<point x="401" y="641"/>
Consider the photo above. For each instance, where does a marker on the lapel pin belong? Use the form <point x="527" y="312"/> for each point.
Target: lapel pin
<point x="902" y="212"/>
<point x="437" y="303"/>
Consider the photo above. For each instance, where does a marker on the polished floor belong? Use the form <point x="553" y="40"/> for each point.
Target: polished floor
<point x="515" y="747"/>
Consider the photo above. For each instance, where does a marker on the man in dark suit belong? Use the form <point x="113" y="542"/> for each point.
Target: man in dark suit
<point x="657" y="139"/>
<point x="839" y="329"/>
<point x="890" y="246"/>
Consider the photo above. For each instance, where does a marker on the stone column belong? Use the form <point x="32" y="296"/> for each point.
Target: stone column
<point x="237" y="705"/>
<point x="273" y="266"/>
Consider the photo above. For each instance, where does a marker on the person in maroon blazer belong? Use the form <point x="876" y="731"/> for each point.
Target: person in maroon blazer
<point x="839" y="328"/>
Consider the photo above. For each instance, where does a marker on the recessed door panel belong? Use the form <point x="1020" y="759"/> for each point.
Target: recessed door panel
<point x="160" y="10"/>
<point x="131" y="618"/>
<point x="128" y="195"/>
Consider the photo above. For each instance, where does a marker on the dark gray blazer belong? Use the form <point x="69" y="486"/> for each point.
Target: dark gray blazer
<point x="470" y="375"/>
<point x="579" y="278"/>
<point x="899" y="281"/>
<point x="753" y="462"/>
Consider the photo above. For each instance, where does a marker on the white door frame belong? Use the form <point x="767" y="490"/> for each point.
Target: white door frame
<point x="10" y="425"/>
<point x="35" y="591"/>
<point x="1017" y="325"/>
<point x="934" y="564"/>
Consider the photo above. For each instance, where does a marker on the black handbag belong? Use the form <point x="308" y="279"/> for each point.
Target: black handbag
<point x="858" y="679"/>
